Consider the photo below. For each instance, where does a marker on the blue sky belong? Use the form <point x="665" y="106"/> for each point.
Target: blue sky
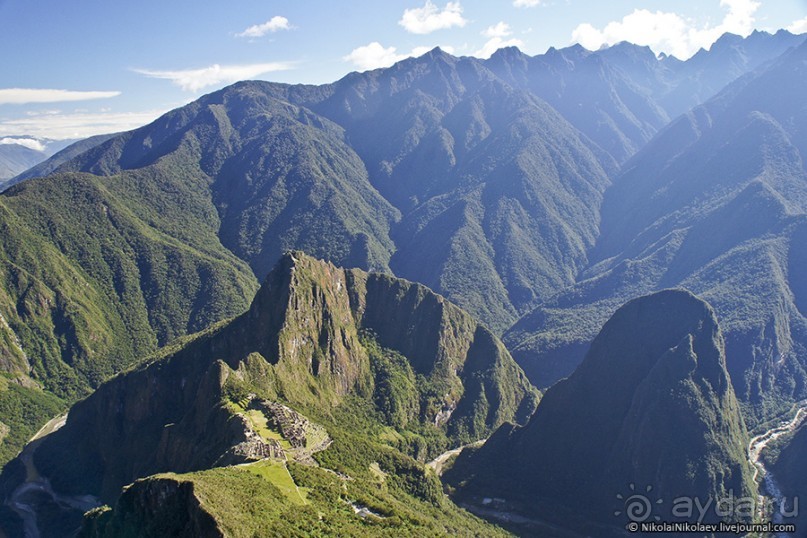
<point x="74" y="69"/>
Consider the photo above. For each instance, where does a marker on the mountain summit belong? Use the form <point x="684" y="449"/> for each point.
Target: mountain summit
<point x="346" y="347"/>
<point x="651" y="405"/>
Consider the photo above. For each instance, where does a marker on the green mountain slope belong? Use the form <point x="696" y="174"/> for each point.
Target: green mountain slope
<point x="481" y="179"/>
<point x="93" y="277"/>
<point x="15" y="158"/>
<point x="202" y="505"/>
<point x="716" y="203"/>
<point x="467" y="161"/>
<point x="96" y="272"/>
<point x="279" y="176"/>
<point x="651" y="405"/>
<point x="520" y="217"/>
<point x="382" y="368"/>
<point x="453" y="172"/>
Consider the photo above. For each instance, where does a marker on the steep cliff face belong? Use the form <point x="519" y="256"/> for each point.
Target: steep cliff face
<point x="160" y="506"/>
<point x="651" y="405"/>
<point x="317" y="338"/>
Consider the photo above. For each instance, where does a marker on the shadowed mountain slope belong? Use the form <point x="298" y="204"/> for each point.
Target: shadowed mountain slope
<point x="715" y="203"/>
<point x="651" y="405"/>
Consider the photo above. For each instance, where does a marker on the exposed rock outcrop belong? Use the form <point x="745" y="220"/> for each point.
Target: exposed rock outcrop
<point x="309" y="340"/>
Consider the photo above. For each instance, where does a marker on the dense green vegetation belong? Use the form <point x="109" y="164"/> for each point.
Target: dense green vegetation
<point x="453" y="172"/>
<point x="24" y="410"/>
<point x="408" y="501"/>
<point x="715" y="204"/>
<point x="360" y="469"/>
<point x="393" y="372"/>
<point x="489" y="181"/>
<point x="396" y="392"/>
<point x="95" y="272"/>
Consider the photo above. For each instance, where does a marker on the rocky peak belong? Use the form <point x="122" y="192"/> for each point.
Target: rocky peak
<point x="314" y="335"/>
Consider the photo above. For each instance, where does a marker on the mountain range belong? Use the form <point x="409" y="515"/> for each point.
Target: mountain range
<point x="19" y="154"/>
<point x="537" y="194"/>
<point x="716" y="204"/>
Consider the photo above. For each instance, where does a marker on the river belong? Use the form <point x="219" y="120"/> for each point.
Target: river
<point x="755" y="449"/>
<point x="25" y="499"/>
<point x="439" y="462"/>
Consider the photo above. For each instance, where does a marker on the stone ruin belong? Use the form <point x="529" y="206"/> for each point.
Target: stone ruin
<point x="292" y="425"/>
<point x="252" y="448"/>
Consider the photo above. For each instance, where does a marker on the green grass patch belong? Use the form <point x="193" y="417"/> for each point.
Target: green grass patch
<point x="261" y="426"/>
<point x="277" y="474"/>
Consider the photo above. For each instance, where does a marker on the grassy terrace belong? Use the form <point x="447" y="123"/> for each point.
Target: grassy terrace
<point x="277" y="474"/>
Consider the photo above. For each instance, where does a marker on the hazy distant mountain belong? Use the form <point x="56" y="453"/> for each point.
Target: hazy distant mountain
<point x="650" y="405"/>
<point x="57" y="158"/>
<point x="594" y="91"/>
<point x="15" y="158"/>
<point x="730" y="57"/>
<point x="716" y="203"/>
<point x="623" y="95"/>
<point x="19" y="153"/>
<point x="351" y="351"/>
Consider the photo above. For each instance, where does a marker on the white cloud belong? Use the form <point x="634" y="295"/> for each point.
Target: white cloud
<point x="798" y="27"/>
<point x="274" y="24"/>
<point x="427" y="19"/>
<point x="61" y="126"/>
<point x="27" y="142"/>
<point x="496" y="43"/>
<point x="195" y="79"/>
<point x="668" y="32"/>
<point x="497" y="34"/>
<point x="526" y="3"/>
<point x="19" y="96"/>
<point x="501" y="29"/>
<point x="375" y="55"/>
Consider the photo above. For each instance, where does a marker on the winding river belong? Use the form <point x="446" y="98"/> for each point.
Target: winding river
<point x="439" y="462"/>
<point x="28" y="495"/>
<point x="755" y="449"/>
